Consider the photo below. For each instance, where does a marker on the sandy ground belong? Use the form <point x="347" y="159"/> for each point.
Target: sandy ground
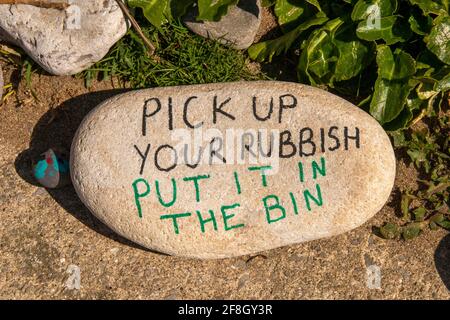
<point x="45" y="235"/>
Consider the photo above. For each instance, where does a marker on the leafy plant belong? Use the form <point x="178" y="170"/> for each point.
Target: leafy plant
<point x="160" y="12"/>
<point x="393" y="55"/>
<point x="427" y="207"/>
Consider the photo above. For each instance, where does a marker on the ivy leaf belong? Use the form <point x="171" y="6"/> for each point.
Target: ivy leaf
<point x="437" y="218"/>
<point x="397" y="66"/>
<point x="399" y="140"/>
<point x="392" y="87"/>
<point x="425" y="89"/>
<point x="391" y="29"/>
<point x="419" y="214"/>
<point x="411" y="231"/>
<point x="334" y="53"/>
<point x="443" y="84"/>
<point x="267" y="49"/>
<point x="315" y="3"/>
<point x="438" y="41"/>
<point x="390" y="231"/>
<point x="400" y="122"/>
<point x="389" y="99"/>
<point x="214" y="10"/>
<point x="318" y="57"/>
<point x="434" y="7"/>
<point x="373" y="9"/>
<point x="405" y="202"/>
<point x="444" y="224"/>
<point x="429" y="60"/>
<point x="291" y="13"/>
<point x="419" y="23"/>
<point x="157" y="12"/>
<point x="413" y="103"/>
<point x="353" y="54"/>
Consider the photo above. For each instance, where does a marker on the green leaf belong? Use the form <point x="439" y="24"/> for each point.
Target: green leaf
<point x="419" y="214"/>
<point x="27" y="66"/>
<point x="391" y="29"/>
<point x="214" y="10"/>
<point x="438" y="41"/>
<point x="413" y="103"/>
<point x="267" y="3"/>
<point x="315" y="3"/>
<point x="373" y="9"/>
<point x="400" y="122"/>
<point x="443" y="84"/>
<point x="392" y="87"/>
<point x="397" y="66"/>
<point x="429" y="60"/>
<point x="157" y="12"/>
<point x="267" y="49"/>
<point x="444" y="224"/>
<point x="333" y="54"/>
<point x="353" y="55"/>
<point x="399" y="140"/>
<point x="319" y="54"/>
<point x="419" y="23"/>
<point x="390" y="231"/>
<point x="291" y="13"/>
<point x="365" y="101"/>
<point x="437" y="218"/>
<point x="406" y="200"/>
<point x="411" y="231"/>
<point x="425" y="90"/>
<point x="389" y="99"/>
<point x="434" y="7"/>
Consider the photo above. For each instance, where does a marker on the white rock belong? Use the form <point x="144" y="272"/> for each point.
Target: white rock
<point x="326" y="185"/>
<point x="67" y="41"/>
<point x="237" y="28"/>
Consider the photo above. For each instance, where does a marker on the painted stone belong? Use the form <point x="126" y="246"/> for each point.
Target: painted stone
<point x="221" y="170"/>
<point x="236" y="29"/>
<point x="51" y="170"/>
<point x="67" y="41"/>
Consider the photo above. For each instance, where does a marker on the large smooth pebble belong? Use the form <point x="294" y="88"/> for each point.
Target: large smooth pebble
<point x="331" y="168"/>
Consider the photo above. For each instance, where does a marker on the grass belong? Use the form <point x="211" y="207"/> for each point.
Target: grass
<point x="22" y="62"/>
<point x="185" y="59"/>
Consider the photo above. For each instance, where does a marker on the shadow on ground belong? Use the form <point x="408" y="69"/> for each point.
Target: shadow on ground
<point x="55" y="129"/>
<point x="442" y="260"/>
